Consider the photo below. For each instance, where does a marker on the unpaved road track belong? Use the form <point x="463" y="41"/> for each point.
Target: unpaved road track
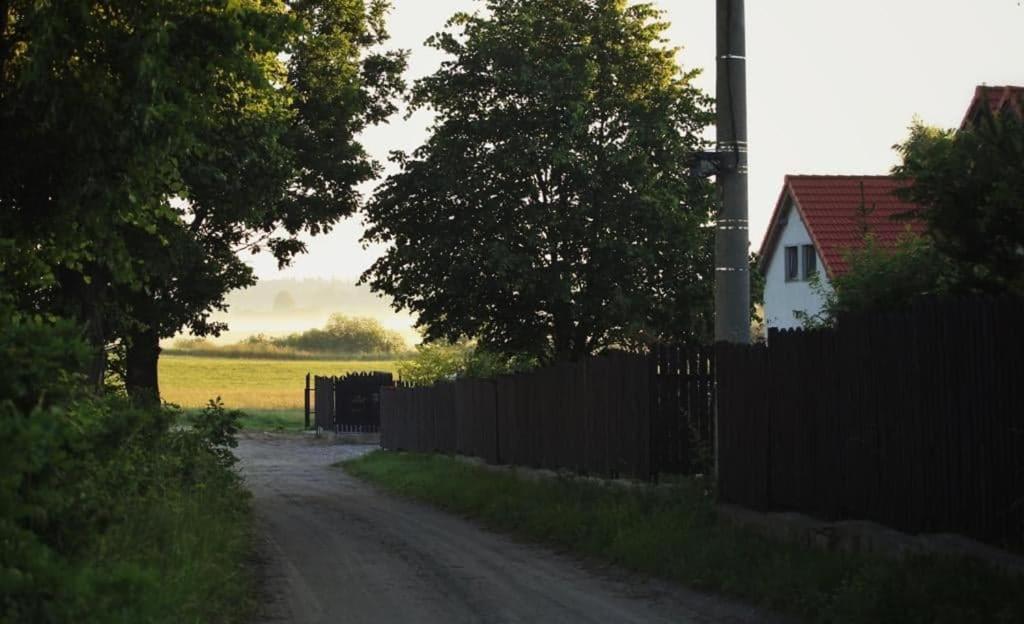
<point x="338" y="550"/>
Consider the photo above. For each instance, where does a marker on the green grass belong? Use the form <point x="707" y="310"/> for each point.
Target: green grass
<point x="675" y="533"/>
<point x="131" y="520"/>
<point x="273" y="420"/>
<point x="249" y="384"/>
<point x="185" y="557"/>
<point x="243" y="352"/>
<point x="283" y="421"/>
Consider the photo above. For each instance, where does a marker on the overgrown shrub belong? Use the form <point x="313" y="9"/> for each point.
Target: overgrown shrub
<point x="341" y="336"/>
<point x="98" y="498"/>
<point x="881" y="279"/>
<point x="438" y="361"/>
<point x="346" y="334"/>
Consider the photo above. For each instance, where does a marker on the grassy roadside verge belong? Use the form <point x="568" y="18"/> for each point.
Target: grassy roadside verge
<point x="112" y="511"/>
<point x="184" y="557"/>
<point x="674" y="533"/>
<point x="111" y="514"/>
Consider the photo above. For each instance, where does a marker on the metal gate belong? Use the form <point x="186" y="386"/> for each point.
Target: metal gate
<point x="349" y="404"/>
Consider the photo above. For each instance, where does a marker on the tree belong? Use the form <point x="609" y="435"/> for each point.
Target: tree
<point x="101" y="103"/>
<point x="284" y="302"/>
<point x="278" y="160"/>
<point x="969" y="186"/>
<point x="439" y="361"/>
<point x="550" y="212"/>
<point x="346" y="334"/>
<point x="881" y="278"/>
<point x="970" y="189"/>
<point x="153" y="141"/>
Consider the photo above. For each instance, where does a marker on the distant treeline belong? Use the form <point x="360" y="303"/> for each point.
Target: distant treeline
<point x="343" y="336"/>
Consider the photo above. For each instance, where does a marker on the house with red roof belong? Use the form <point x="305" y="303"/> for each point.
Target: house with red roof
<point x="1003" y="100"/>
<point x="818" y="219"/>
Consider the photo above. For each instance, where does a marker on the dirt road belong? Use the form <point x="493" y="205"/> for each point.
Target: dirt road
<point x="340" y="551"/>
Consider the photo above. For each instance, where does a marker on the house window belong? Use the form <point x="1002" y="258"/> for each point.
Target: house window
<point x="792" y="264"/>
<point x="810" y="261"/>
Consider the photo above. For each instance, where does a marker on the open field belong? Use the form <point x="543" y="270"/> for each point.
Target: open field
<point x="249" y="384"/>
<point x="272" y="352"/>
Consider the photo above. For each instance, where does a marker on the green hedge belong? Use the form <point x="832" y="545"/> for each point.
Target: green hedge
<point x="109" y="513"/>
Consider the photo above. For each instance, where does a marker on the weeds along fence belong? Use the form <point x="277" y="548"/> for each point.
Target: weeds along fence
<point x="615" y="415"/>
<point x="911" y="419"/>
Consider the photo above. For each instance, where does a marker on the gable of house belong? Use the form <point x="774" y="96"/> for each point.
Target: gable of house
<point x="996" y="100"/>
<point x="787" y="286"/>
<point x="838" y="211"/>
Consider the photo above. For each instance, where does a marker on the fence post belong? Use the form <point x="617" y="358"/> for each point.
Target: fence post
<point x="654" y="460"/>
<point x="307" y="401"/>
<point x="716" y="352"/>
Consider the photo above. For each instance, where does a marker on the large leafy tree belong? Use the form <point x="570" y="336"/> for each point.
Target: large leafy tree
<point x="149" y="142"/>
<point x="970" y="187"/>
<point x="276" y="162"/>
<point x="100" y="104"/>
<point x="550" y="212"/>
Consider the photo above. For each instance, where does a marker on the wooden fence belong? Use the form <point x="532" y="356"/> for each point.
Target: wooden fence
<point x="347" y="404"/>
<point x="598" y="416"/>
<point x="683" y="429"/>
<point x="911" y="419"/>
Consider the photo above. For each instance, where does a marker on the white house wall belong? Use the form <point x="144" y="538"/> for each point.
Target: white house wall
<point x="782" y="298"/>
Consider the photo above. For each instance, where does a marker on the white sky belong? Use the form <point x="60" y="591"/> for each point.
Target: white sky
<point x="832" y="86"/>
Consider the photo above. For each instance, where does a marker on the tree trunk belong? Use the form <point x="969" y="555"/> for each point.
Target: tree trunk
<point x="83" y="301"/>
<point x="142" y="356"/>
<point x="563" y="333"/>
<point x="96" y="367"/>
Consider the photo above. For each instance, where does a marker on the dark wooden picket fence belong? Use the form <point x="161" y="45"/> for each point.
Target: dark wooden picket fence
<point x="596" y="417"/>
<point x="347" y="404"/>
<point x="912" y="419"/>
<point x="683" y="395"/>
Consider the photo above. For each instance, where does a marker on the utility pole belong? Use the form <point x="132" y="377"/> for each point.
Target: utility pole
<point x="732" y="234"/>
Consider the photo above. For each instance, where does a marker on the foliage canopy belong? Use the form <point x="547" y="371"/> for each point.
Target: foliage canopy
<point x="881" y="278"/>
<point x="149" y="143"/>
<point x="550" y="212"/>
<point x="440" y="361"/>
<point x="345" y="334"/>
<point x="970" y="187"/>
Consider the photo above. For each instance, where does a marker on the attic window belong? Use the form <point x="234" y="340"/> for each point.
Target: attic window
<point x="784" y="217"/>
<point x="810" y="261"/>
<point x="792" y="264"/>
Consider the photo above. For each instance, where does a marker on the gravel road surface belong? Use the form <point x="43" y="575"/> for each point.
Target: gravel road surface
<point x="336" y="550"/>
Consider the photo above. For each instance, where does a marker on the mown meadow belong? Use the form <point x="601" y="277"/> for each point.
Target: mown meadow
<point x="269" y="392"/>
<point x="258" y="384"/>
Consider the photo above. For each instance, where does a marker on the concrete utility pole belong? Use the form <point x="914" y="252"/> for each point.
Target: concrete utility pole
<point x="732" y="236"/>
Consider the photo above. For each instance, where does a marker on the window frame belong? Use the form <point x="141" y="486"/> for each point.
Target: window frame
<point x="791" y="263"/>
<point x="809" y="262"/>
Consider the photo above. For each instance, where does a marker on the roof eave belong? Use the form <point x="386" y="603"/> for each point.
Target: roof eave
<point x="773" y="228"/>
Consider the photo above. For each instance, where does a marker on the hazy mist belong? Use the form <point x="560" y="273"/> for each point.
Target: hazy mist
<point x="278" y="307"/>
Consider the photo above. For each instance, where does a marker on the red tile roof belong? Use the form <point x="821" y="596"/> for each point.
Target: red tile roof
<point x="996" y="100"/>
<point x="830" y="207"/>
